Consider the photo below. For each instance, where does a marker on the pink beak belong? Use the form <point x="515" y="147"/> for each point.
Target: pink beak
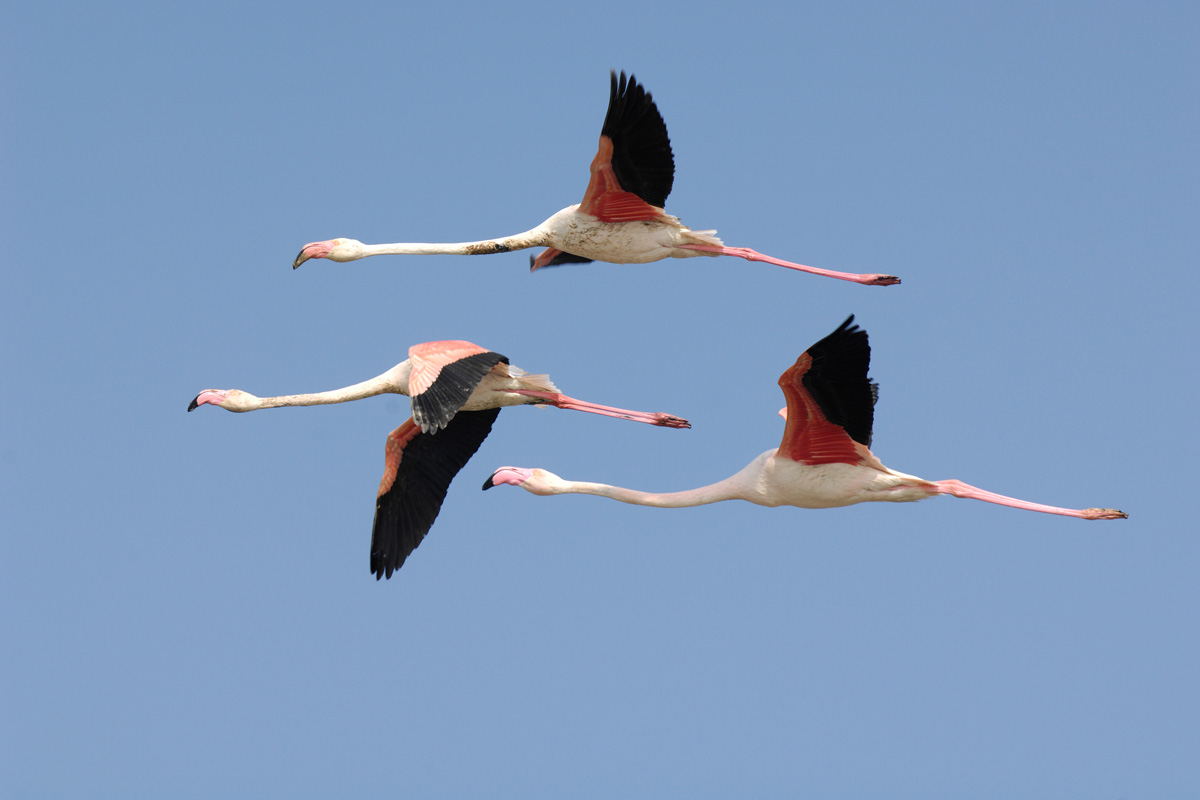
<point x="513" y="476"/>
<point x="207" y="396"/>
<point x="313" y="250"/>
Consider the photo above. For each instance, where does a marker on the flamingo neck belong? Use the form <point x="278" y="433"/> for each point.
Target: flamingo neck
<point x="727" y="489"/>
<point x="520" y="241"/>
<point x="381" y="384"/>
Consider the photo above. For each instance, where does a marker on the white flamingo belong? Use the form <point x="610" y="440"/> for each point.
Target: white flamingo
<point x="457" y="389"/>
<point x="823" y="460"/>
<point x="619" y="220"/>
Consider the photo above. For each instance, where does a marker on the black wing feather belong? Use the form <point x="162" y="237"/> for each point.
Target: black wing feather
<point x="838" y="382"/>
<point x="405" y="513"/>
<point x="563" y="258"/>
<point x="433" y="408"/>
<point x="642" y="159"/>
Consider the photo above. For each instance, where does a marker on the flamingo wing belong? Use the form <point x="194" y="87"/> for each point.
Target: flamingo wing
<point x="556" y="258"/>
<point x="444" y="374"/>
<point x="634" y="168"/>
<point x="830" y="400"/>
<point x="417" y="472"/>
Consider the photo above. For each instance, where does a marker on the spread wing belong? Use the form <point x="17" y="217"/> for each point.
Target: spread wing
<point x="830" y="400"/>
<point x="444" y="374"/>
<point x="634" y="168"/>
<point x="418" y="468"/>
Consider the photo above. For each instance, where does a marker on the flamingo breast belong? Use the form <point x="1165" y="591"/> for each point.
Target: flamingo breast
<point x="782" y="481"/>
<point x="634" y="242"/>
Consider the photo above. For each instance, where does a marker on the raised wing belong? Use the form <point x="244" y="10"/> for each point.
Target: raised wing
<point x="634" y="168"/>
<point x="444" y="374"/>
<point x="418" y="468"/>
<point x="830" y="400"/>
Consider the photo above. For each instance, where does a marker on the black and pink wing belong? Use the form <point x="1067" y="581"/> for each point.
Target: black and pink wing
<point x="642" y="157"/>
<point x="634" y="156"/>
<point x="633" y="170"/>
<point x="418" y="469"/>
<point x="830" y="400"/>
<point x="444" y="375"/>
<point x="557" y="258"/>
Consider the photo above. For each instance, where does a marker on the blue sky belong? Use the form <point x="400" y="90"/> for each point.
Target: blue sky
<point x="188" y="607"/>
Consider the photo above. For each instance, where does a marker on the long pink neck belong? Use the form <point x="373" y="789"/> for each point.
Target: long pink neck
<point x="727" y="489"/>
<point x="381" y="384"/>
<point x="520" y="241"/>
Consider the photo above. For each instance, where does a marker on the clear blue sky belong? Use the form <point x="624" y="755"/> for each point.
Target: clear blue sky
<point x="187" y="608"/>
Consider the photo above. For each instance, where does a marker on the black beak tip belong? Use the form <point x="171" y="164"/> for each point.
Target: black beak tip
<point x="192" y="406"/>
<point x="489" y="482"/>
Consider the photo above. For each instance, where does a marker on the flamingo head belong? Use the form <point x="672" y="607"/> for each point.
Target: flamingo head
<point x="536" y="481"/>
<point x="333" y="249"/>
<point x="229" y="399"/>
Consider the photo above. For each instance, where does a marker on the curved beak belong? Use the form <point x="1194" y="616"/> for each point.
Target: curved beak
<point x="314" y="250"/>
<point x="208" y="396"/>
<point x="511" y="476"/>
<point x="304" y="255"/>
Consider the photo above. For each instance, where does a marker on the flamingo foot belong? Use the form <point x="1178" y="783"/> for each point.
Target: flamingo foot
<point x="1104" y="513"/>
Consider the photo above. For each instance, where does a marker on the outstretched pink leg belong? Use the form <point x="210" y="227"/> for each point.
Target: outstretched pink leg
<point x="754" y="255"/>
<point x="960" y="489"/>
<point x="562" y="401"/>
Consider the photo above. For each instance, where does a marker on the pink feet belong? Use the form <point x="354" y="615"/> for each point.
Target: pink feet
<point x="878" y="280"/>
<point x="1104" y="513"/>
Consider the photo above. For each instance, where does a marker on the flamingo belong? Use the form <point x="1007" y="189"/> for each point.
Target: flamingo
<point x="457" y="389"/>
<point x="824" y="460"/>
<point x="619" y="220"/>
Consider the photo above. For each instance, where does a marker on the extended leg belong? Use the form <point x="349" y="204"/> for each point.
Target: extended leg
<point x="754" y="255"/>
<point x="562" y="401"/>
<point x="960" y="489"/>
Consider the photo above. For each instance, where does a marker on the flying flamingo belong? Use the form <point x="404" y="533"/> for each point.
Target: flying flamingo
<point x="457" y="389"/>
<point x="823" y="461"/>
<point x="620" y="219"/>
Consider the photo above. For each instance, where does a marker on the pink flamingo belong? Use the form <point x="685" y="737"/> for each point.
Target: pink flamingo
<point x="619" y="220"/>
<point x="422" y="456"/>
<point x="823" y="461"/>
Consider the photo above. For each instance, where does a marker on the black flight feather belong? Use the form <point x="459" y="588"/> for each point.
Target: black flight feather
<point x="642" y="159"/>
<point x="405" y="513"/>
<point x="433" y="408"/>
<point x="838" y="382"/>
